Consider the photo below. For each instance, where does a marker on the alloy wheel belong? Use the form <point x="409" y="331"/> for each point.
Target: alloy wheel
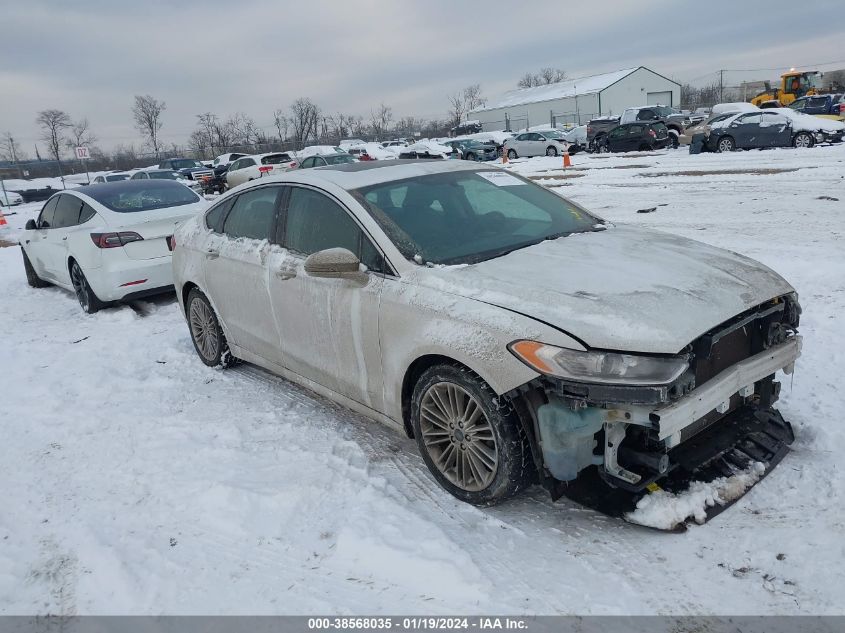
<point x="204" y="329"/>
<point x="458" y="436"/>
<point x="803" y="140"/>
<point x="726" y="145"/>
<point x="79" y="286"/>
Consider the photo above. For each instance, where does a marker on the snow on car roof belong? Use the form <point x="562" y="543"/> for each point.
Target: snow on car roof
<point x="562" y="89"/>
<point x="363" y="174"/>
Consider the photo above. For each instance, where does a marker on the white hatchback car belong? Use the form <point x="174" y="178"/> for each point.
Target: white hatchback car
<point x="257" y="166"/>
<point x="108" y="242"/>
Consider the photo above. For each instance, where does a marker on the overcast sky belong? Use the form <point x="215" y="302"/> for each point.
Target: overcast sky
<point x="89" y="57"/>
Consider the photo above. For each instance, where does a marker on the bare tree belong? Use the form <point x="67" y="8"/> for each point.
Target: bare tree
<point x="10" y="151"/>
<point x="282" y="124"/>
<point x="304" y="116"/>
<point x="546" y="76"/>
<point x="473" y="98"/>
<point x="456" y="108"/>
<point x="53" y="124"/>
<point x="357" y="126"/>
<point x="551" y="75"/>
<point x="81" y="134"/>
<point x="147" y="113"/>
<point x="380" y="119"/>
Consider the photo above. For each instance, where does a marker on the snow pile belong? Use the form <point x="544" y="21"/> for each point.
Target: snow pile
<point x="318" y="150"/>
<point x="808" y="122"/>
<point x="430" y="147"/>
<point x="664" y="510"/>
<point x="374" y="150"/>
<point x="739" y="106"/>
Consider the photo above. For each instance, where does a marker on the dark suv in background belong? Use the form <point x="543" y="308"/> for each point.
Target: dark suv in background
<point x="642" y="136"/>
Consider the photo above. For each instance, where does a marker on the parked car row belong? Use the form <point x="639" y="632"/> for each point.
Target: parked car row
<point x="463" y="305"/>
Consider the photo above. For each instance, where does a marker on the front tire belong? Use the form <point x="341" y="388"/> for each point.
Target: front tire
<point x="512" y="154"/>
<point x="803" y="139"/>
<point x="472" y="442"/>
<point x="206" y="334"/>
<point x="726" y="144"/>
<point x="551" y="150"/>
<point x="470" y="156"/>
<point x="84" y="293"/>
<point x="32" y="277"/>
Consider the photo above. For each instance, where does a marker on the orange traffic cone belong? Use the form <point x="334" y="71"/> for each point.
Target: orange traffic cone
<point x="3" y="221"/>
<point x="504" y="156"/>
<point x="566" y="161"/>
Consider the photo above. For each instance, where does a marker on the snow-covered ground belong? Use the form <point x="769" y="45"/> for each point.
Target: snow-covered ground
<point x="136" y="480"/>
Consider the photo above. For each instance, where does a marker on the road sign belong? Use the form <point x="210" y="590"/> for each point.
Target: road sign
<point x="82" y="153"/>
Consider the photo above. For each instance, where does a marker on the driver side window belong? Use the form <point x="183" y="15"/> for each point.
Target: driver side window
<point x="45" y="219"/>
<point x="315" y="222"/>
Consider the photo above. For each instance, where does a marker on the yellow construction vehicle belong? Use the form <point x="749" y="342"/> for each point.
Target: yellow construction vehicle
<point x="793" y="85"/>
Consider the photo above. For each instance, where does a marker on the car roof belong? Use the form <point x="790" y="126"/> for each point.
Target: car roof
<point x="129" y="186"/>
<point x="366" y="173"/>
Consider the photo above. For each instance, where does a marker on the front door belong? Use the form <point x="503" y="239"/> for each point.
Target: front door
<point x="38" y="249"/>
<point x="328" y="327"/>
<point x="746" y="130"/>
<point x="65" y="218"/>
<point x="236" y="269"/>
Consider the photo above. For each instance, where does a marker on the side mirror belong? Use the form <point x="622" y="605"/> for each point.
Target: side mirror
<point x="31" y="225"/>
<point x="332" y="263"/>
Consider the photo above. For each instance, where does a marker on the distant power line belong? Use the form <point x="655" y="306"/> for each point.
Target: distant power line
<point x="757" y="70"/>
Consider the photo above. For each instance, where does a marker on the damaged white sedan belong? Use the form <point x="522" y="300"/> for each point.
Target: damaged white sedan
<point x="515" y="335"/>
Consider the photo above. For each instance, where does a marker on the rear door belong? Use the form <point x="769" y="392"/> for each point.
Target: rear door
<point x="235" y="269"/>
<point x="775" y="130"/>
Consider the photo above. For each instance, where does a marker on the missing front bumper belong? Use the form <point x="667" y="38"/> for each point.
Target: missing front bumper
<point x="749" y="439"/>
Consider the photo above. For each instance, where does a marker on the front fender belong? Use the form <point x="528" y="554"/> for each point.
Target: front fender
<point x="416" y="321"/>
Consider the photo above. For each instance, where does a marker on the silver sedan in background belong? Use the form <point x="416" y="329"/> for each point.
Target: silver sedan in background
<point x="517" y="337"/>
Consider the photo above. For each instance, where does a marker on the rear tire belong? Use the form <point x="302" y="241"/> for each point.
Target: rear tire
<point x="512" y="154"/>
<point x="84" y="293"/>
<point x="726" y="144"/>
<point x="206" y="334"/>
<point x="674" y="139"/>
<point x="472" y="441"/>
<point x="803" y="139"/>
<point x="32" y="277"/>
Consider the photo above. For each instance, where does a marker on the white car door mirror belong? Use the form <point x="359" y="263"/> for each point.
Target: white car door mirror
<point x="332" y="263"/>
<point x="30" y="225"/>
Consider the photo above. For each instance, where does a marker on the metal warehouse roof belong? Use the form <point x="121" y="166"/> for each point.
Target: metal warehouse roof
<point x="560" y="90"/>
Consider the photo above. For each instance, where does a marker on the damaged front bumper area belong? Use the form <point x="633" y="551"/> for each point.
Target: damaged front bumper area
<point x="611" y="447"/>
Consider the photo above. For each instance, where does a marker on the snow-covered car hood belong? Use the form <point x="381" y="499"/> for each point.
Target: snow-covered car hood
<point x="625" y="288"/>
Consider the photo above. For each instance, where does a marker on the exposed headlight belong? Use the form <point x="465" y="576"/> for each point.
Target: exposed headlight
<point x="599" y="367"/>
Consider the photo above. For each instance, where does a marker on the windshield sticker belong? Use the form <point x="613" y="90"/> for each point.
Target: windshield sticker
<point x="500" y="178"/>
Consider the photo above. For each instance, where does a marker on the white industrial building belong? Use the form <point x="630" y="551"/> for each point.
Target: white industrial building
<point x="576" y="101"/>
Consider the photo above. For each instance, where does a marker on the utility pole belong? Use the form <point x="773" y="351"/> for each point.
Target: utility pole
<point x="721" y="86"/>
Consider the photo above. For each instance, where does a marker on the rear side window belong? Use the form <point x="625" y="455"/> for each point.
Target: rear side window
<point x="86" y="214"/>
<point x="252" y="214"/>
<point x="215" y="214"/>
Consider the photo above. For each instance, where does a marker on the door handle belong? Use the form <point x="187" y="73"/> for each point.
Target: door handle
<point x="285" y="273"/>
<point x="64" y="239"/>
<point x="211" y="254"/>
